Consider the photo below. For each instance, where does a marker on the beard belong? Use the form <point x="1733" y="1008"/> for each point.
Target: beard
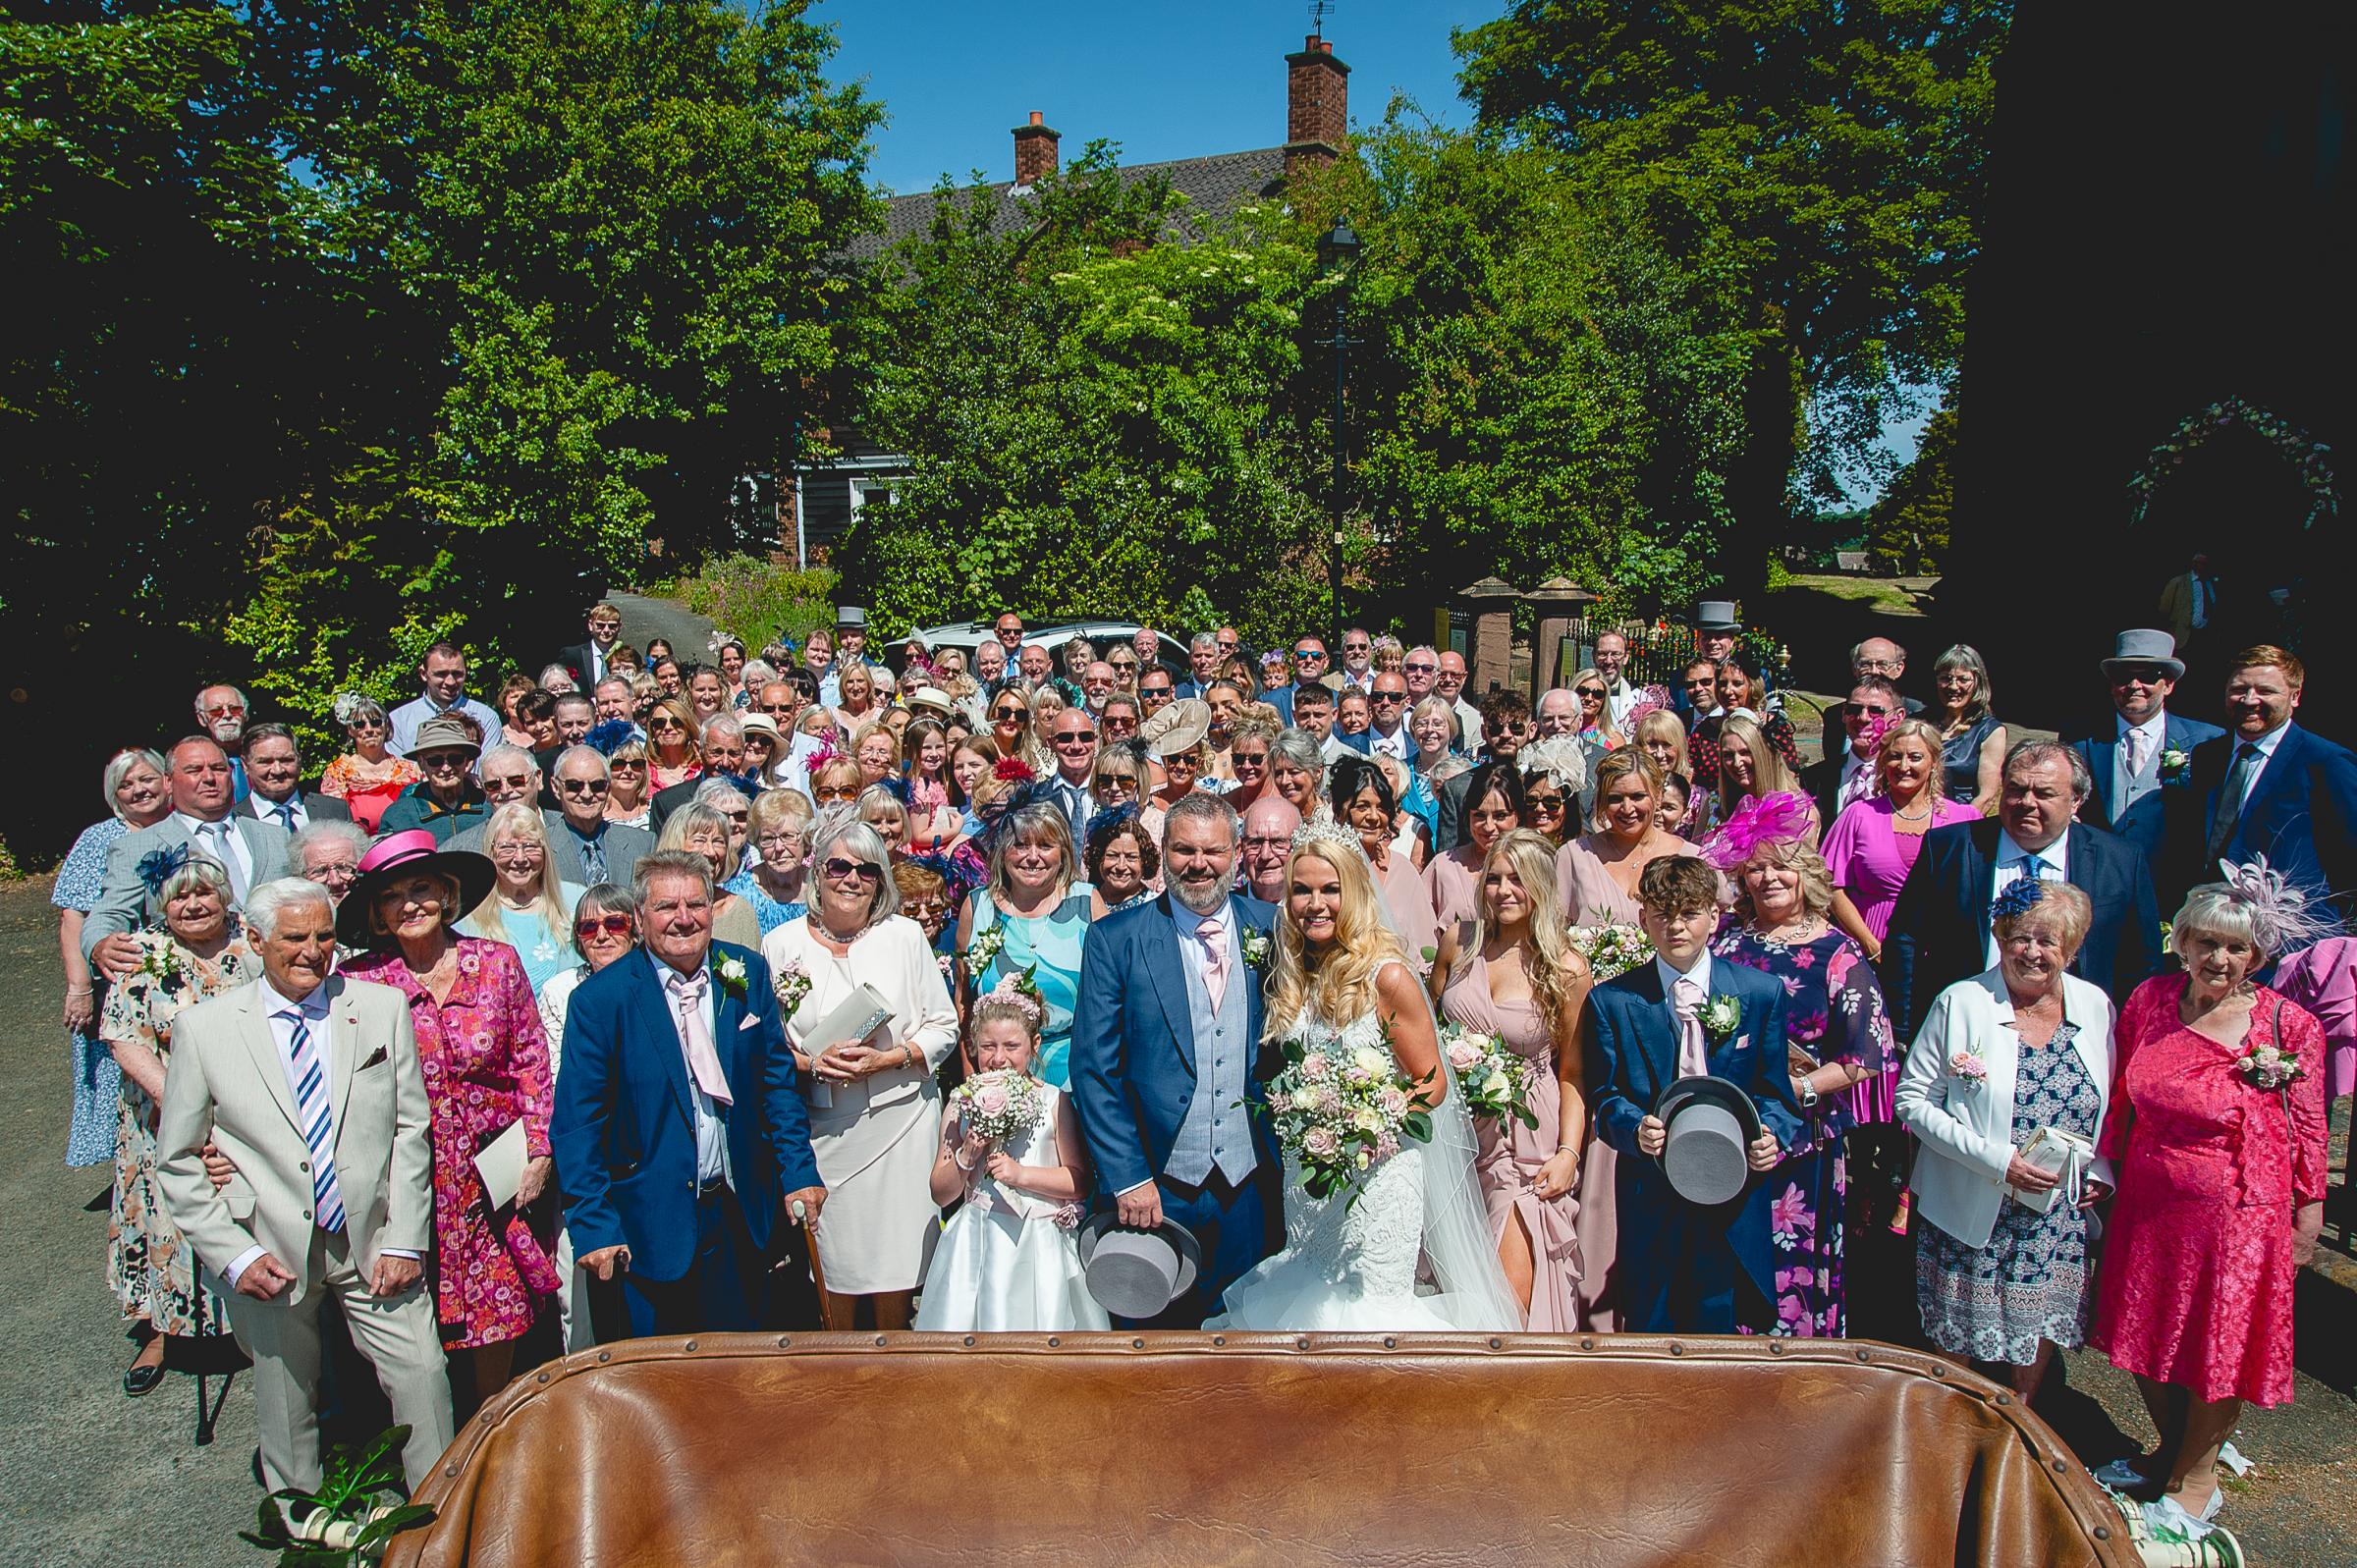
<point x="1200" y="897"/>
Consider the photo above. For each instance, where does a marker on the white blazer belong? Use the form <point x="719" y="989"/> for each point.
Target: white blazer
<point x="1966" y="1129"/>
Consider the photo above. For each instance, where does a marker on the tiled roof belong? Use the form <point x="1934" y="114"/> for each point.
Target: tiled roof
<point x="1214" y="188"/>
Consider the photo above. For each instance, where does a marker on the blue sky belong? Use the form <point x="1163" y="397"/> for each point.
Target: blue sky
<point x="1163" y="79"/>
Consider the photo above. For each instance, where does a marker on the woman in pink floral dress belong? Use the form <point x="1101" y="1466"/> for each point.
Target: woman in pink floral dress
<point x="485" y="1060"/>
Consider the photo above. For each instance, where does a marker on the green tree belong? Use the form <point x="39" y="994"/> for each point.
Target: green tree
<point x="1907" y="529"/>
<point x="1830" y="156"/>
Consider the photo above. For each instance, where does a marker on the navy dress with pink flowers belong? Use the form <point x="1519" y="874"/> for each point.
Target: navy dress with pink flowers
<point x="1835" y="1012"/>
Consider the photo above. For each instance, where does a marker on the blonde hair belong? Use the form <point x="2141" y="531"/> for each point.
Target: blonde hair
<point x="788" y="808"/>
<point x="1935" y="783"/>
<point x="870" y="730"/>
<point x="519" y="820"/>
<point x="1658" y="722"/>
<point x="1769" y="774"/>
<point x="2061" y="907"/>
<point x="1342" y="987"/>
<point x="1816" y="878"/>
<point x="1617" y="766"/>
<point x="1548" y="961"/>
<point x="857" y="669"/>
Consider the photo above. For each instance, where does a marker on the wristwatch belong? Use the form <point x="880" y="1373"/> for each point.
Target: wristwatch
<point x="1807" y="1094"/>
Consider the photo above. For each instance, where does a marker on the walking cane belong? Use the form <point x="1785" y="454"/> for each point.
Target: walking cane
<point x="818" y="1272"/>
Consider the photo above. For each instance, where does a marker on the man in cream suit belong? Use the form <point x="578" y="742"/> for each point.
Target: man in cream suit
<point x="309" y="1085"/>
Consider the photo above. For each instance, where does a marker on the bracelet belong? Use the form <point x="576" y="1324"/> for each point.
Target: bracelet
<point x="77" y="991"/>
<point x="907" y="1054"/>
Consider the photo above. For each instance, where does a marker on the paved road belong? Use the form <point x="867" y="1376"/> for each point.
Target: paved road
<point x="90" y="1477"/>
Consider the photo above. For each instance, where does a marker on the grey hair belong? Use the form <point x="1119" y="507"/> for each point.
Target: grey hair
<point x="326" y="830"/>
<point x="563" y="674"/>
<point x="669" y="863"/>
<point x="273" y="899"/>
<point x="1965" y="657"/>
<point x="197" y="871"/>
<point x="757" y="673"/>
<point x="717" y="792"/>
<point x="862" y="843"/>
<point x="1202" y="640"/>
<point x="600" y="898"/>
<point x="2277" y="920"/>
<point x="2037" y="753"/>
<point x="1210" y="807"/>
<point x="118" y="766"/>
<point x="501" y="753"/>
<point x="222" y="685"/>
<point x="1300" y="748"/>
<point x="570" y="754"/>
<point x="693" y="818"/>
<point x="624" y="681"/>
<point x="721" y="723"/>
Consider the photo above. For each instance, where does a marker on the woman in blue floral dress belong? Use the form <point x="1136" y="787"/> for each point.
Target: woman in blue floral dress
<point x="1835" y="1015"/>
<point x="138" y="794"/>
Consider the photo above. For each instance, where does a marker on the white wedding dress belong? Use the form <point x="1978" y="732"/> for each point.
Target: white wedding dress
<point x="1414" y="1252"/>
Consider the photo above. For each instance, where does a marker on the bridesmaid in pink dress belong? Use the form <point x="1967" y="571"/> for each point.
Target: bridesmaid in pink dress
<point x="1512" y="975"/>
<point x="2222" y="1185"/>
<point x="1494" y="808"/>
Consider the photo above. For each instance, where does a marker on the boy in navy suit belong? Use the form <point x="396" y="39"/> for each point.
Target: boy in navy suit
<point x="1686" y="1268"/>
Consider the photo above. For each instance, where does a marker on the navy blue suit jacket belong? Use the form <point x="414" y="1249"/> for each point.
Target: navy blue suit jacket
<point x="624" y="1130"/>
<point x="2301" y="814"/>
<point x="2142" y="822"/>
<point x="1632" y="1038"/>
<point x="1940" y="929"/>
<point x="1133" y="1046"/>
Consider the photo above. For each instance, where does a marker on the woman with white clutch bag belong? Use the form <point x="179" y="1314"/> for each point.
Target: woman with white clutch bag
<point x="2005" y="1088"/>
<point x="874" y="1107"/>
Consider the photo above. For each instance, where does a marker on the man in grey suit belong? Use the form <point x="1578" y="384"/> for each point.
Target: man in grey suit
<point x="582" y="846"/>
<point x="309" y="1085"/>
<point x="250" y="850"/>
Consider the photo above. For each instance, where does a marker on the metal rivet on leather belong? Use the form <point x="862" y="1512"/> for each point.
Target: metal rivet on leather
<point x="544" y="1376"/>
<point x="1218" y="1340"/>
<point x="970" y="1339"/>
<point x="604" y="1355"/>
<point x="2103" y="1531"/>
<point x="1138" y="1344"/>
<point x="1676" y="1349"/>
<point x="1390" y="1344"/>
<point x="1301" y="1343"/>
<point x="879" y="1341"/>
<point x="1587" y="1344"/>
<point x="1497" y="1344"/>
<point x="1776" y="1347"/>
<point x="451" y="1470"/>
<point x="785" y="1342"/>
<point x="2061" y="1467"/>
<point x="1052" y="1341"/>
<point x="2004" y="1400"/>
<point x="1863" y="1356"/>
<point x="690" y="1344"/>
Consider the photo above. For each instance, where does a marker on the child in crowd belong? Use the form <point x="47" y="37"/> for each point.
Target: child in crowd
<point x="1009" y="1259"/>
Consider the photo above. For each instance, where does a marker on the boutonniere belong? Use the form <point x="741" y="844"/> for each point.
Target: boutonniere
<point x="1720" y="1017"/>
<point x="2270" y="1066"/>
<point x="1256" y="947"/>
<point x="983" y="948"/>
<point x="729" y="971"/>
<point x="2174" y="762"/>
<point x="1968" y="1069"/>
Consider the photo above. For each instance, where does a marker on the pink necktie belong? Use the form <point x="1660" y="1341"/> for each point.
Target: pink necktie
<point x="704" y="1063"/>
<point x="1693" y="1053"/>
<point x="1214" y="937"/>
<point x="2133" y="741"/>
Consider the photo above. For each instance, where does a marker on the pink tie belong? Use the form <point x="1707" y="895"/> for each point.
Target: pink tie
<point x="1214" y="937"/>
<point x="704" y="1063"/>
<point x="2134" y="742"/>
<point x="1693" y="1053"/>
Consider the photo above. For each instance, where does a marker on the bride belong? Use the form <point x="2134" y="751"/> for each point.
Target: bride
<point x="1352" y="1259"/>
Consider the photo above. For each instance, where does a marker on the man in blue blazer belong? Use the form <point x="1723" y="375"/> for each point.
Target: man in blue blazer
<point x="1166" y="1045"/>
<point x="2268" y="787"/>
<point x="680" y="1141"/>
<point x="1685" y="1269"/>
<point x="1939" y="928"/>
<point x="2145" y="749"/>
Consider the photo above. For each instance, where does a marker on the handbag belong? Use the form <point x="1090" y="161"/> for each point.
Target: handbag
<point x="850" y="1020"/>
<point x="2064" y="1153"/>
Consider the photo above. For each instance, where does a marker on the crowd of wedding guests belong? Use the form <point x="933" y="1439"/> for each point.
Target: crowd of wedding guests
<point x="523" y="995"/>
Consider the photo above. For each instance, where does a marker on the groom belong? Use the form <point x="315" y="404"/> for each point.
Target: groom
<point x="1685" y="1269"/>
<point x="1164" y="1035"/>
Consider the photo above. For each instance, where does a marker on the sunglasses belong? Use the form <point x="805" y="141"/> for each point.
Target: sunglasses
<point x="1591" y="693"/>
<point x="1540" y="802"/>
<point x="837" y="793"/>
<point x="1389" y="696"/>
<point x="512" y="781"/>
<point x="1310" y="654"/>
<point x="1005" y="713"/>
<point x="633" y="763"/>
<point x="589" y="926"/>
<point x="1075" y="738"/>
<point x="840" y="868"/>
<point x="223" y="710"/>
<point x="660" y="725"/>
<point x="1863" y="710"/>
<point x="444" y="762"/>
<point x="1414" y="669"/>
<point x="368" y="723"/>
<point x="583" y="786"/>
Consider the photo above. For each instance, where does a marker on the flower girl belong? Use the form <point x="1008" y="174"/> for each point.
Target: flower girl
<point x="1009" y="1145"/>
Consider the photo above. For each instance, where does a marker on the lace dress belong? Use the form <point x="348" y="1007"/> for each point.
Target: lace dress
<point x="1009" y="1260"/>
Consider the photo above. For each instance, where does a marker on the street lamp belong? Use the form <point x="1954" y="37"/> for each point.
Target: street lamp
<point x="1338" y="248"/>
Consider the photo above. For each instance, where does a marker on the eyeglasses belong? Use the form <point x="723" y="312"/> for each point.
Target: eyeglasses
<point x="518" y="854"/>
<point x="1075" y="738"/>
<point x="1590" y="694"/>
<point x="444" y="762"/>
<point x="788" y="841"/>
<point x="1414" y="667"/>
<point x="1863" y="710"/>
<point x="516" y="780"/>
<point x="591" y="788"/>
<point x="1875" y="665"/>
<point x="1387" y="696"/>
<point x="223" y="710"/>
<point x="840" y="868"/>
<point x="831" y="792"/>
<point x="589" y="926"/>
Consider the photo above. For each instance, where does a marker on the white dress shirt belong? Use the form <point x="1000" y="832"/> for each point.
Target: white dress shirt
<point x="2265" y="745"/>
<point x="228" y="848"/>
<point x="268" y="811"/>
<point x="1619" y="698"/>
<point x="1398" y="743"/>
<point x="711" y="1132"/>
<point x="1701" y="972"/>
<point x="2055" y="866"/>
<point x="1191" y="951"/>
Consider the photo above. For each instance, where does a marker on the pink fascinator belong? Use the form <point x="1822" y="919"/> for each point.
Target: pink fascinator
<point x="1761" y="819"/>
<point x="1654" y="700"/>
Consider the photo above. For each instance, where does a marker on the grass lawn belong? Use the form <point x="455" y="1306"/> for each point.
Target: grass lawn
<point x="1888" y="596"/>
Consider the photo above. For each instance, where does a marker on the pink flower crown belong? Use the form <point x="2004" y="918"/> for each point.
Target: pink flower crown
<point x="1016" y="992"/>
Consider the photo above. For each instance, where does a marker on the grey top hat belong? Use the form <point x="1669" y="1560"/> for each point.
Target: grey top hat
<point x="851" y="615"/>
<point x="1715" y="614"/>
<point x="1136" y="1274"/>
<point x="1711" y="1123"/>
<point x="2145" y="646"/>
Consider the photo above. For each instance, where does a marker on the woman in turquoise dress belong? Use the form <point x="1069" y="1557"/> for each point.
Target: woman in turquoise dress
<point x="1031" y="915"/>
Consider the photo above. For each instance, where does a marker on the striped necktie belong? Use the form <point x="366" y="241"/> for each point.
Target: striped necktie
<point x="309" y="1067"/>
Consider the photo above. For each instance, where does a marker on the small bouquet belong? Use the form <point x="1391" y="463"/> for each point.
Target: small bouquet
<point x="998" y="1105"/>
<point x="1611" y="949"/>
<point x="983" y="948"/>
<point x="792" y="981"/>
<point x="1341" y="1110"/>
<point x="1495" y="1081"/>
<point x="2270" y="1066"/>
<point x="1967" y="1068"/>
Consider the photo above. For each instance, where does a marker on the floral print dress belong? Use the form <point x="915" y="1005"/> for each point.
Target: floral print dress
<point x="97" y="1081"/>
<point x="149" y="1265"/>
<point x="485" y="1060"/>
<point x="1833" y="1010"/>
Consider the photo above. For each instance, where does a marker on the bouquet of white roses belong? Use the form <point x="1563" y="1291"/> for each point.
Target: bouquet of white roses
<point x="998" y="1105"/>
<point x="1342" y="1110"/>
<point x="1495" y="1081"/>
<point x="1611" y="949"/>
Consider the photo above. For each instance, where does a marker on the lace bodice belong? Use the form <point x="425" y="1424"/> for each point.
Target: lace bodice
<point x="1366" y="1239"/>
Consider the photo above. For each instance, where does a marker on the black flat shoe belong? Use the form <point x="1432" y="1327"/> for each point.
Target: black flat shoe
<point x="143" y="1379"/>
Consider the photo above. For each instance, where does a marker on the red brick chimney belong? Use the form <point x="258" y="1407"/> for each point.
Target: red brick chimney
<point x="1317" y="105"/>
<point x="1035" y="150"/>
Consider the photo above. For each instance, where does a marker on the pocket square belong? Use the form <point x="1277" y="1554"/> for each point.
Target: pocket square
<point x="750" y="1023"/>
<point x="374" y="1059"/>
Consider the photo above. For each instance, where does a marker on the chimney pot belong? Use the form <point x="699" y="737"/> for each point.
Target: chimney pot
<point x="1037" y="118"/>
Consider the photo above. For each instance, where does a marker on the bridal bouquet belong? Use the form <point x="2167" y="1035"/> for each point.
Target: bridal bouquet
<point x="998" y="1105"/>
<point x="1495" y="1081"/>
<point x="1341" y="1110"/>
<point x="1610" y="950"/>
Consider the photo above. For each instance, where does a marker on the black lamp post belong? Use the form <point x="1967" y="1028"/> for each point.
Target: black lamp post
<point x="1338" y="248"/>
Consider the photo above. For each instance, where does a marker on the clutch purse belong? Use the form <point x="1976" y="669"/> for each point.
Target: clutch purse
<point x="850" y="1020"/>
<point x="500" y="1165"/>
<point x="2067" y="1154"/>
